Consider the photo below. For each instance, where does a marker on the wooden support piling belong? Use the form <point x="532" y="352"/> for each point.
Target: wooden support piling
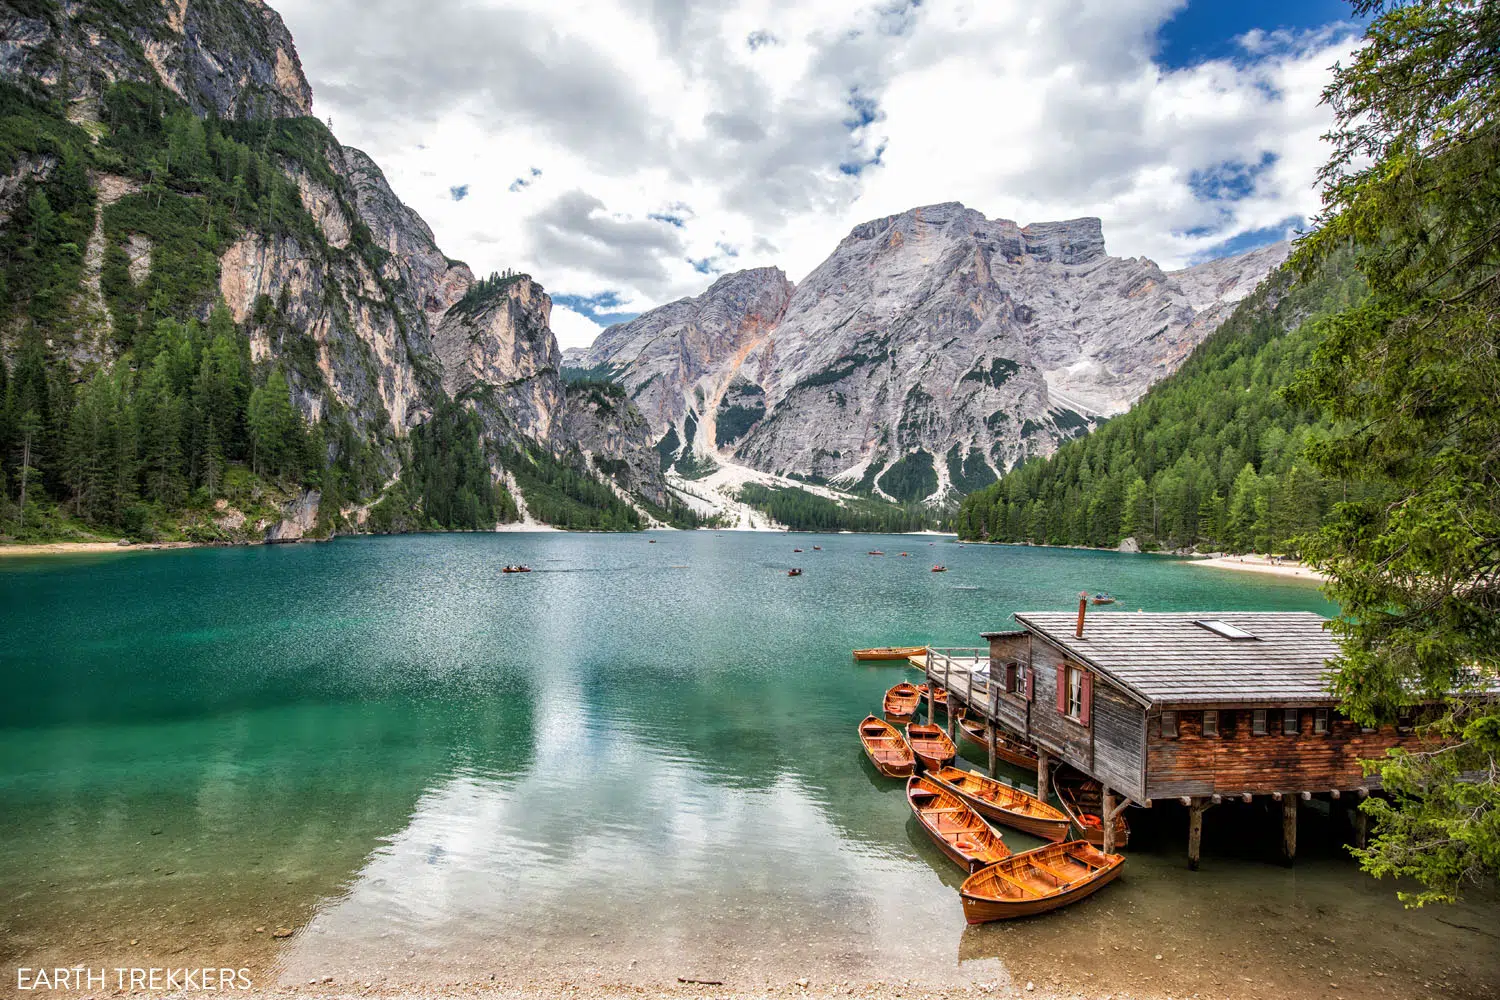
<point x="1289" y="828"/>
<point x="1043" y="774"/>
<point x="1195" y="832"/>
<point x="993" y="690"/>
<point x="948" y="686"/>
<point x="1361" y="828"/>
<point x="1109" y="820"/>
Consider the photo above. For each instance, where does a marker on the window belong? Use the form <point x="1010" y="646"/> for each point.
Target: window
<point x="1015" y="678"/>
<point x="1226" y="630"/>
<point x="1406" y="722"/>
<point x="1258" y="722"/>
<point x="1169" y="725"/>
<point x="1075" y="693"/>
<point x="1320" y="722"/>
<point x="1291" y="723"/>
<point x="1211" y="723"/>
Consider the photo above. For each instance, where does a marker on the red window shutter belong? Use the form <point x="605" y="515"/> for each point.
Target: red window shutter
<point x="1062" y="690"/>
<point x="1030" y="686"/>
<point x="1088" y="699"/>
<point x="1010" y="677"/>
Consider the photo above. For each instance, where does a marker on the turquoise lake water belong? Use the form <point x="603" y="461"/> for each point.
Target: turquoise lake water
<point x="636" y="763"/>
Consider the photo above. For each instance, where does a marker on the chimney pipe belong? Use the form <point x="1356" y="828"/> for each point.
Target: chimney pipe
<point x="1083" y="606"/>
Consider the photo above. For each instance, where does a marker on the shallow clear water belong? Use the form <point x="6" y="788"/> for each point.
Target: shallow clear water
<point x="636" y="763"/>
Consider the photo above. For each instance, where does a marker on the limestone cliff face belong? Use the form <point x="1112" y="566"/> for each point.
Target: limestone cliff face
<point x="953" y="344"/>
<point x="680" y="359"/>
<point x="232" y="58"/>
<point x="615" y="439"/>
<point x="499" y="352"/>
<point x="358" y="309"/>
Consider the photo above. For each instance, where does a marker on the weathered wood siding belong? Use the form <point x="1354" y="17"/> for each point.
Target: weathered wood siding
<point x="1059" y="734"/>
<point x="1011" y="709"/>
<point x="1235" y="761"/>
<point x="1119" y="726"/>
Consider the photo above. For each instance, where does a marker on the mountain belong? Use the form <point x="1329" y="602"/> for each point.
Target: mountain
<point x="1211" y="457"/>
<point x="220" y="323"/>
<point x="932" y="351"/>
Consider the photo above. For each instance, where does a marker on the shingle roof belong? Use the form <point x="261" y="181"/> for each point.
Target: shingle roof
<point x="1171" y="659"/>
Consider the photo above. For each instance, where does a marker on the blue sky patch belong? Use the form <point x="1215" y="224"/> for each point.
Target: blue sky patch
<point x="1253" y="240"/>
<point x="1207" y="29"/>
<point x="458" y="192"/>
<point x="676" y="221"/>
<point x="863" y="110"/>
<point x="603" y="308"/>
<point x="853" y="168"/>
<point x="760" y="39"/>
<point x="1231" y="180"/>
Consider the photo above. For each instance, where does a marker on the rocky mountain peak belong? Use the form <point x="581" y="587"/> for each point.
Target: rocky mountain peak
<point x="1076" y="241"/>
<point x="233" y="60"/>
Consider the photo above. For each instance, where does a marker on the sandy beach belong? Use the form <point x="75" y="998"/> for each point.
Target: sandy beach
<point x="83" y="548"/>
<point x="1260" y="564"/>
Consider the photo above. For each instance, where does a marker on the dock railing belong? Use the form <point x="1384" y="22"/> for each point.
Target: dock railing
<point x="954" y="669"/>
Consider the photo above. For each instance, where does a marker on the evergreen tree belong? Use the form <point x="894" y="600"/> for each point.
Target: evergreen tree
<point x="1409" y="377"/>
<point x="29" y="432"/>
<point x="275" y="438"/>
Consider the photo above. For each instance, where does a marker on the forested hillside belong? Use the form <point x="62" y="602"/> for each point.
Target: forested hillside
<point x="171" y="414"/>
<point x="219" y="326"/>
<point x="1212" y="457"/>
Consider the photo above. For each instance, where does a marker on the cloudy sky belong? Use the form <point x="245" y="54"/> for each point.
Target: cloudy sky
<point x="625" y="152"/>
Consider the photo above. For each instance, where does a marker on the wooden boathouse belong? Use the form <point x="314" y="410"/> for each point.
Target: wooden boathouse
<point x="1198" y="708"/>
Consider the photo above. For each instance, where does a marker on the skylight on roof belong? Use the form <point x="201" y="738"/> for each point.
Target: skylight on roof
<point x="1225" y="629"/>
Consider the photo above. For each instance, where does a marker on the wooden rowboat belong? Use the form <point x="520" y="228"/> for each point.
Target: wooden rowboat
<point x="932" y="746"/>
<point x="937" y="693"/>
<point x="972" y="729"/>
<point x="954" y="827"/>
<point x="1008" y="748"/>
<point x="901" y="702"/>
<point x="887" y="748"/>
<point x="1083" y="800"/>
<point x="1037" y="881"/>
<point x="999" y="802"/>
<point x="889" y="652"/>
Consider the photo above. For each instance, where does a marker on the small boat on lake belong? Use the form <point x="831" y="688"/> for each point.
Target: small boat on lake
<point x="1102" y="598"/>
<point x="889" y="652"/>
<point x="874" y="553"/>
<point x="1037" y="882"/>
<point x="957" y="830"/>
<point x="938" y="694"/>
<point x="932" y="746"/>
<point x="973" y="729"/>
<point x="1013" y="751"/>
<point x="1082" y="798"/>
<point x="1001" y="803"/>
<point x="817" y="548"/>
<point x="796" y="550"/>
<point x="794" y="572"/>
<point x="516" y="569"/>
<point x="887" y="748"/>
<point x="901" y="702"/>
<point x="940" y="569"/>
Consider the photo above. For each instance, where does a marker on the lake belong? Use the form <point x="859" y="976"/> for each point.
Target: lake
<point x="636" y="763"/>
